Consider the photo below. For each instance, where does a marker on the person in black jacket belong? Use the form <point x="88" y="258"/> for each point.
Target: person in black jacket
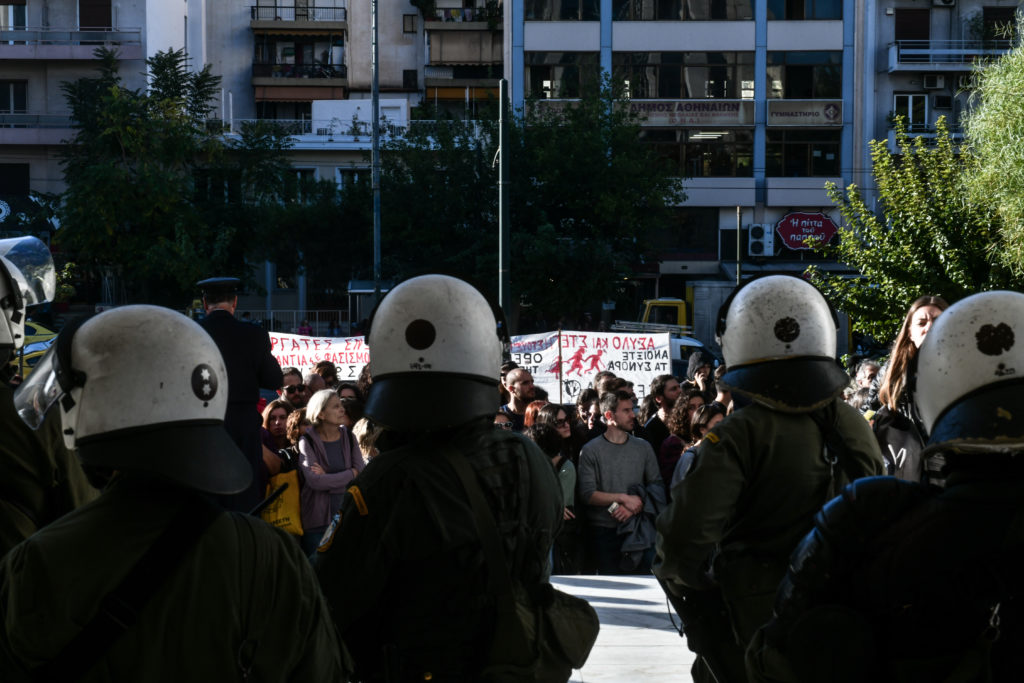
<point x="250" y="367"/>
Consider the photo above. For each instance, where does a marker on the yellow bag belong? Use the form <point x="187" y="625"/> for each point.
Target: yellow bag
<point x="284" y="512"/>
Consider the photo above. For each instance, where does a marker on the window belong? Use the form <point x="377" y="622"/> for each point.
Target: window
<point x="805" y="75"/>
<point x="13" y="97"/>
<point x="408" y="23"/>
<point x="694" y="238"/>
<point x="410" y="79"/>
<point x="913" y="107"/>
<point x="14" y="179"/>
<point x="670" y="10"/>
<point x="799" y="153"/>
<point x="348" y="177"/>
<point x="686" y="75"/>
<point x="805" y="9"/>
<point x="12" y="16"/>
<point x="703" y="153"/>
<point x="560" y="74"/>
<point x="562" y="10"/>
<point x="911" y="24"/>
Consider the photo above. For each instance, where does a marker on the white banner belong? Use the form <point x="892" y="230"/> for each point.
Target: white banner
<point x="349" y="354"/>
<point x="566" y="369"/>
<point x="563" y="370"/>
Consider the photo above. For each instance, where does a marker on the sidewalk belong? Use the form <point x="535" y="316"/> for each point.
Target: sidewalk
<point x="637" y="640"/>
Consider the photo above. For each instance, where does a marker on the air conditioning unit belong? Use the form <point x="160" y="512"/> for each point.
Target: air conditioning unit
<point x="965" y="82"/>
<point x="944" y="3"/>
<point x="943" y="102"/>
<point x="934" y="82"/>
<point x="761" y="240"/>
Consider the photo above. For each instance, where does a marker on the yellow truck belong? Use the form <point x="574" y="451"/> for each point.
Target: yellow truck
<point x="671" y="316"/>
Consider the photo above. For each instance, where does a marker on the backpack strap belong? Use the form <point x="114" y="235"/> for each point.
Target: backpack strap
<point x="120" y="609"/>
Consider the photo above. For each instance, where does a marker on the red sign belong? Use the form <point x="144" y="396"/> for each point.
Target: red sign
<point x="806" y="230"/>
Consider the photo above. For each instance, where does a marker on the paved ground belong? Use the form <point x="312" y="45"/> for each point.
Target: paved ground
<point x="637" y="641"/>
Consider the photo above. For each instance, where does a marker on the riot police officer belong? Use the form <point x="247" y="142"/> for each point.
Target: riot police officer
<point x="403" y="569"/>
<point x="761" y="474"/>
<point x="153" y="580"/>
<point x="907" y="582"/>
<point x="40" y="480"/>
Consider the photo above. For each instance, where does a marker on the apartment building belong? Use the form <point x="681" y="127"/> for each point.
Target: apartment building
<point x="752" y="102"/>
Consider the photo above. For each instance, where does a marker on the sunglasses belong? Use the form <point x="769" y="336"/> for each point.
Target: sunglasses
<point x="503" y="425"/>
<point x="562" y="423"/>
<point x="294" y="387"/>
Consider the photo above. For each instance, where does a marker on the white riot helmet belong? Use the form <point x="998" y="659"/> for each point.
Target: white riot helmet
<point x="778" y="336"/>
<point x="140" y="388"/>
<point x="438" y="336"/>
<point x="970" y="374"/>
<point x="27" y="278"/>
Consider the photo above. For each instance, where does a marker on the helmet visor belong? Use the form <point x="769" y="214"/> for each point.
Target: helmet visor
<point x="40" y="391"/>
<point x="31" y="268"/>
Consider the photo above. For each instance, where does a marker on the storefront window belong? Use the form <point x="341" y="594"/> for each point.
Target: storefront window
<point x="562" y="10"/>
<point x="674" y="10"/>
<point x="798" y="153"/>
<point x="559" y="74"/>
<point x="703" y="153"/>
<point x="805" y="9"/>
<point x="686" y="75"/>
<point x="805" y="75"/>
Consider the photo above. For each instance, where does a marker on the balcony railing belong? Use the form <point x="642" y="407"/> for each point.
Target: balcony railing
<point x="293" y="13"/>
<point x="911" y="55"/>
<point x="262" y="70"/>
<point x="456" y="14"/>
<point x="926" y="131"/>
<point x="23" y="120"/>
<point x="70" y="36"/>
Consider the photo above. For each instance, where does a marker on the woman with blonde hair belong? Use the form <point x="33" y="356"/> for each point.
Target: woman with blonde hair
<point x="330" y="460"/>
<point x="899" y="431"/>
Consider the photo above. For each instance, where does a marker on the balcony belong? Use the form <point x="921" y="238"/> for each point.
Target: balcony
<point x="926" y="131"/>
<point x="943" y="55"/>
<point x="35" y="129"/>
<point x="334" y="134"/>
<point x="68" y="43"/>
<point x="293" y="18"/>
<point x="465" y="19"/>
<point x="299" y="82"/>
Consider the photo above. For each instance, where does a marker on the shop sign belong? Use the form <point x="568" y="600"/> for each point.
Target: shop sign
<point x="661" y="113"/>
<point x="805" y="113"/>
<point x="806" y="230"/>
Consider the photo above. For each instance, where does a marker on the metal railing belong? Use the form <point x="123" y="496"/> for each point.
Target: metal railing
<point x="71" y="36"/>
<point x="463" y="14"/>
<point x="23" y="120"/>
<point x="329" y="130"/>
<point x="289" y="321"/>
<point x="264" y="70"/>
<point x="294" y="13"/>
<point x="966" y="52"/>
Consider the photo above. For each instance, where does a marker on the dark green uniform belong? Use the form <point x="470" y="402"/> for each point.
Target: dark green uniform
<point x="757" y="481"/>
<point x="403" y="571"/>
<point x="40" y="480"/>
<point x="244" y="595"/>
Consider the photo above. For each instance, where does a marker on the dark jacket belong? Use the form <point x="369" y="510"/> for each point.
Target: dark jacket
<point x="250" y="367"/>
<point x="403" y="570"/>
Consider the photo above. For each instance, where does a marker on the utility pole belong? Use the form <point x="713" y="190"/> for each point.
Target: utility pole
<point x="739" y="244"/>
<point x="504" y="241"/>
<point x="375" y="152"/>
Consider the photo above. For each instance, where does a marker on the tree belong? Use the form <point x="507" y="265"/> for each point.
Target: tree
<point x="154" y="197"/>
<point x="994" y="130"/>
<point x="585" y="196"/>
<point x="928" y="237"/>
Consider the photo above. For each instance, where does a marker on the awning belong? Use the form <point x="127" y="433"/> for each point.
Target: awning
<point x="300" y="93"/>
<point x="459" y="93"/>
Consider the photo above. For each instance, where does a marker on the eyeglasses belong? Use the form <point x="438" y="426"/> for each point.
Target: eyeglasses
<point x="291" y="389"/>
<point x="503" y="425"/>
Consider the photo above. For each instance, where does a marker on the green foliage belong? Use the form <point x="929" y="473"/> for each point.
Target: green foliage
<point x="584" y="198"/>
<point x="154" y="195"/>
<point x="928" y="236"/>
<point x="995" y="130"/>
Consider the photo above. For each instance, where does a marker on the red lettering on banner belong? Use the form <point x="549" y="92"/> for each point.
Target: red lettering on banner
<point x="616" y="342"/>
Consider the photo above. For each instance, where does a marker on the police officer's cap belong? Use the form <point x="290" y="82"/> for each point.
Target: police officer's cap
<point x="219" y="286"/>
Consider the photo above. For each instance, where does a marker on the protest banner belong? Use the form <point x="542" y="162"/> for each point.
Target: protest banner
<point x="349" y="354"/>
<point x="564" y="364"/>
